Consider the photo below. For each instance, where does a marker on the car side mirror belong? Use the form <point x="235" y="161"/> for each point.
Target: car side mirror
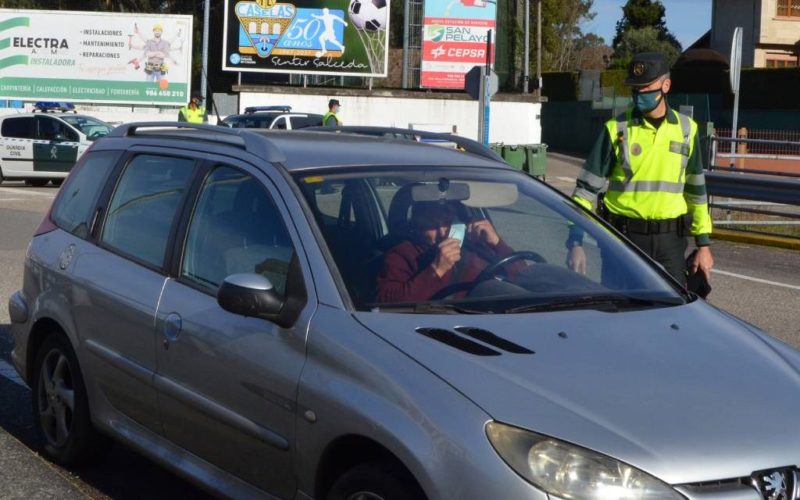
<point x="250" y="294"/>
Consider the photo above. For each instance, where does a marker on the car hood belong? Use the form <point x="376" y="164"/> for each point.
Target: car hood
<point x="686" y="393"/>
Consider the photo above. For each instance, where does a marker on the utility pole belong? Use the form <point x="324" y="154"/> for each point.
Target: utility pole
<point x="203" y="77"/>
<point x="525" y="65"/>
<point x="539" y="45"/>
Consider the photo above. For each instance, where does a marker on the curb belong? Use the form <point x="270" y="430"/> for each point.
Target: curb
<point x="756" y="239"/>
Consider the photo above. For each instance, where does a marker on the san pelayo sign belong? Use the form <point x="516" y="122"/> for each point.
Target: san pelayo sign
<point x="335" y="37"/>
<point x="95" y="57"/>
<point x="454" y="38"/>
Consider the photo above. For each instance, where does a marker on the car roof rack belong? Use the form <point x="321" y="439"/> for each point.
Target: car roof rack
<point x="251" y="142"/>
<point x="464" y="143"/>
<point x="255" y="109"/>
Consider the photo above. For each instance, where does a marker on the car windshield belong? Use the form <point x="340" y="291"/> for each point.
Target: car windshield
<point x="92" y="128"/>
<point x="467" y="240"/>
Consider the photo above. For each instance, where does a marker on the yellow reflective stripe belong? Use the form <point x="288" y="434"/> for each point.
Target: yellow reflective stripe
<point x="646" y="186"/>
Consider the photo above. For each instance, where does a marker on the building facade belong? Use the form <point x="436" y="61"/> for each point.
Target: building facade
<point x="771" y="31"/>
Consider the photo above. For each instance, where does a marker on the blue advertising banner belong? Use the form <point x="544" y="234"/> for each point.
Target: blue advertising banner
<point x="338" y="37"/>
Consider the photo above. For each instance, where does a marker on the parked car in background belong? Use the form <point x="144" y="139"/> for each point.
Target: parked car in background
<point x="240" y="306"/>
<point x="273" y="117"/>
<point x="44" y="145"/>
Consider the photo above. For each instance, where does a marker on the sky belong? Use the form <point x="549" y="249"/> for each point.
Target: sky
<point x="688" y="20"/>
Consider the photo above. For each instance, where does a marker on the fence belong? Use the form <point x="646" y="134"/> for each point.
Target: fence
<point x="754" y="183"/>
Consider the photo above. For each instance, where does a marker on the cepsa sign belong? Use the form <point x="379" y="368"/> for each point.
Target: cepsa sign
<point x="455" y="37"/>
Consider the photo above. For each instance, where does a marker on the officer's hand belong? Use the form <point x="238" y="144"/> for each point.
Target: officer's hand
<point x="482" y="230"/>
<point x="449" y="253"/>
<point x="704" y="261"/>
<point x="576" y="259"/>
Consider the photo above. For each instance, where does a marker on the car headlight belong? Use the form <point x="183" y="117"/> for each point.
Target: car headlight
<point x="569" y="471"/>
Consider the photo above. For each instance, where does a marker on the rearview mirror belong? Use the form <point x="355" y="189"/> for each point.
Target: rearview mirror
<point x="249" y="294"/>
<point x="442" y="191"/>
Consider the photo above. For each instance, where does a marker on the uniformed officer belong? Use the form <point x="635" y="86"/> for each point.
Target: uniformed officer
<point x="194" y="112"/>
<point x="331" y="118"/>
<point x="651" y="158"/>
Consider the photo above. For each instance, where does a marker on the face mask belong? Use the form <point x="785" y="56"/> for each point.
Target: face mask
<point x="647" y="101"/>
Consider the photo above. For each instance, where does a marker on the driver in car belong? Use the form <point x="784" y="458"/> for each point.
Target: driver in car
<point x="428" y="262"/>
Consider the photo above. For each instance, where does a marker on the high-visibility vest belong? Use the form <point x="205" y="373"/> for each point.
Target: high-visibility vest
<point x="328" y="115"/>
<point x="649" y="179"/>
<point x="196" y="115"/>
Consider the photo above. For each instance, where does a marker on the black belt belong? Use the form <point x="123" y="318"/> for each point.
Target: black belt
<point x="640" y="226"/>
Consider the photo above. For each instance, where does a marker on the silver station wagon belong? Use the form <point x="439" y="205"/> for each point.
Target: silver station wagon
<point x="337" y="315"/>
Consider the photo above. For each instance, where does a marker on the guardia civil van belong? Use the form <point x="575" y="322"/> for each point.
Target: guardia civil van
<point x="42" y="146"/>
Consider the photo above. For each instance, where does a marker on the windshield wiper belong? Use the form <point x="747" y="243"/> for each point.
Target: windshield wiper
<point x="596" y="300"/>
<point x="426" y="308"/>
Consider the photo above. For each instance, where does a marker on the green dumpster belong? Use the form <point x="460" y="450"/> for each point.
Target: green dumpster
<point x="497" y="147"/>
<point x="515" y="156"/>
<point x="536" y="159"/>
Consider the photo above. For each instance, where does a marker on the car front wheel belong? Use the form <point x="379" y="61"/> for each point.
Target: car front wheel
<point x="380" y="481"/>
<point x="60" y="405"/>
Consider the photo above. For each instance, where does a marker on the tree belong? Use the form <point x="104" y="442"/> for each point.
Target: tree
<point x="643" y="40"/>
<point x="591" y="52"/>
<point x="638" y="15"/>
<point x="561" y="33"/>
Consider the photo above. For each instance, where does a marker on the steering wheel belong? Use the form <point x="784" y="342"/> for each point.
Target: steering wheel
<point x="492" y="269"/>
<point x="490" y="272"/>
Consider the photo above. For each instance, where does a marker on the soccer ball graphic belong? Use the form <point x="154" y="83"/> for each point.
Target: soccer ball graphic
<point x="368" y="15"/>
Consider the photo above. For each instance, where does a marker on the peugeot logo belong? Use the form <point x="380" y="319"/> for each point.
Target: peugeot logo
<point x="776" y="484"/>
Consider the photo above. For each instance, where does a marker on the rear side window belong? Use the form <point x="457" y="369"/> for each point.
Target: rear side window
<point x="74" y="209"/>
<point x="20" y="128"/>
<point x="50" y="129"/>
<point x="144" y="204"/>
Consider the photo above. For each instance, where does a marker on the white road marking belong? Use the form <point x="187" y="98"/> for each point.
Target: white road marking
<point x="8" y="371"/>
<point x="757" y="280"/>
<point x="26" y="191"/>
<point x="565" y="179"/>
<point x="12" y="199"/>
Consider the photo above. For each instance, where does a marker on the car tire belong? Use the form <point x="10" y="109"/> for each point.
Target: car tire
<point x="375" y="481"/>
<point x="1" y="175"/>
<point x="37" y="182"/>
<point x="61" y="406"/>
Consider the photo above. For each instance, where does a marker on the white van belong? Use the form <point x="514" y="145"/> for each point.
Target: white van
<point x="40" y="147"/>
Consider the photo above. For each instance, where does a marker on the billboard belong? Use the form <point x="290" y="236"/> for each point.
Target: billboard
<point x="454" y="37"/>
<point x="95" y="57"/>
<point x="334" y="37"/>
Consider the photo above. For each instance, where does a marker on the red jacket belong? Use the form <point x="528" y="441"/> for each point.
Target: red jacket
<point x="408" y="276"/>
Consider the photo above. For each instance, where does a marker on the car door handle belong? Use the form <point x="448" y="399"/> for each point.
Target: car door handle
<point x="172" y="328"/>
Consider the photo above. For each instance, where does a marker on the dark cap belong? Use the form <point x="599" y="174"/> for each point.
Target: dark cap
<point x="197" y="95"/>
<point x="333" y="102"/>
<point x="646" y="68"/>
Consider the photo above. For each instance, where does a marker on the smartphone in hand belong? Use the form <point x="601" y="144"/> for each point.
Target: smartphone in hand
<point x="457" y="231"/>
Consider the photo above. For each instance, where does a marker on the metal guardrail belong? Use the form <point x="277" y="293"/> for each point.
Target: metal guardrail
<point x="753" y="187"/>
<point x="772" y="195"/>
